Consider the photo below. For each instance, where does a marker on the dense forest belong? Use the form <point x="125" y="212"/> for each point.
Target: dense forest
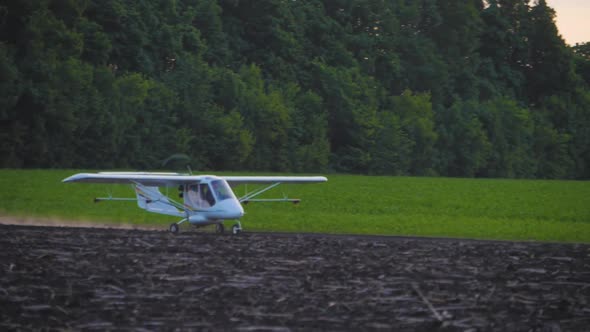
<point x="465" y="88"/>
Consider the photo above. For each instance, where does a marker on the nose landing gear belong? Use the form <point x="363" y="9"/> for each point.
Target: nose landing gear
<point x="236" y="228"/>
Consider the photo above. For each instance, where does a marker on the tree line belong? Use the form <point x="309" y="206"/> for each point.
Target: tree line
<point x="431" y="87"/>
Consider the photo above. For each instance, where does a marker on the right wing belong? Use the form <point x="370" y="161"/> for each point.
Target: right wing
<point x="236" y="180"/>
<point x="272" y="182"/>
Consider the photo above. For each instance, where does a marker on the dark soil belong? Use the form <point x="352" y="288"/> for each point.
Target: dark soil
<point x="75" y="278"/>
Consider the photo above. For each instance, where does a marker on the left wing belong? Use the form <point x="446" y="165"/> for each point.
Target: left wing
<point x="146" y="179"/>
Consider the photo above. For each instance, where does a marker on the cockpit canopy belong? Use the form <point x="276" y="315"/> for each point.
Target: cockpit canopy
<point x="207" y="194"/>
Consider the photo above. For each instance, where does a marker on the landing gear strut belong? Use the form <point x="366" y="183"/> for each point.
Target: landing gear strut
<point x="219" y="228"/>
<point x="237" y="228"/>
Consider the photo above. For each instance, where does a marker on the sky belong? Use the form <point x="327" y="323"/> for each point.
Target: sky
<point x="573" y="19"/>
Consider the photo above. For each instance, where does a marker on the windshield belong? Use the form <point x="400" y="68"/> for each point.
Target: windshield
<point x="221" y="189"/>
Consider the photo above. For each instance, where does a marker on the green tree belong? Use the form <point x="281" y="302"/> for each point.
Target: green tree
<point x="294" y="85"/>
<point x="551" y="150"/>
<point x="308" y="133"/>
<point x="582" y="61"/>
<point x="417" y="123"/>
<point x="351" y="103"/>
<point x="501" y="47"/>
<point x="462" y="146"/>
<point x="550" y="70"/>
<point x="268" y="118"/>
<point x="457" y="39"/>
<point x="567" y="119"/>
<point x="509" y="129"/>
<point x="12" y="131"/>
<point x="391" y="154"/>
<point x="131" y="93"/>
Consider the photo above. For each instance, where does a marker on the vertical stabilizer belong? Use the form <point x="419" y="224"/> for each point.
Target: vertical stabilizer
<point x="152" y="200"/>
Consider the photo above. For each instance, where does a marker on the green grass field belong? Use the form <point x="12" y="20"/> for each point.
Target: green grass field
<point x="467" y="208"/>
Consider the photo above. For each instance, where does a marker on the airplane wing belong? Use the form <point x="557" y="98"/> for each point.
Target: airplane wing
<point x="237" y="180"/>
<point x="271" y="181"/>
<point x="146" y="179"/>
<point x="172" y="179"/>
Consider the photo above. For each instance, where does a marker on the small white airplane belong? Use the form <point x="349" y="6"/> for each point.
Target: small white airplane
<point x="207" y="199"/>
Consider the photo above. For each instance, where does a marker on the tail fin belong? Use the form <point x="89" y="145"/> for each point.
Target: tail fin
<point x="152" y="200"/>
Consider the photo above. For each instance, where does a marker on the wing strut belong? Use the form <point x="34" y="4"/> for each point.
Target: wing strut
<point x="110" y="198"/>
<point x="250" y="197"/>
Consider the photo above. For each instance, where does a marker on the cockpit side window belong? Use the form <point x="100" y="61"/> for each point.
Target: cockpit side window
<point x="199" y="196"/>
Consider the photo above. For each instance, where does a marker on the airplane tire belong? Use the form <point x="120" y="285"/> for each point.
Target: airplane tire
<point x="235" y="229"/>
<point x="174" y="228"/>
<point x="219" y="228"/>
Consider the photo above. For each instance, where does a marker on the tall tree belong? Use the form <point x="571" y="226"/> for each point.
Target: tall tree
<point x="501" y="50"/>
<point x="417" y="123"/>
<point x="550" y="69"/>
<point x="463" y="147"/>
<point x="509" y="129"/>
<point x="582" y="61"/>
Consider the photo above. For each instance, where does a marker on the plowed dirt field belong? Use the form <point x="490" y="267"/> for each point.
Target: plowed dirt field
<point x="92" y="278"/>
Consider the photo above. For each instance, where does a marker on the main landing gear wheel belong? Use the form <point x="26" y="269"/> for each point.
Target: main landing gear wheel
<point x="174" y="228"/>
<point x="236" y="229"/>
<point x="219" y="228"/>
